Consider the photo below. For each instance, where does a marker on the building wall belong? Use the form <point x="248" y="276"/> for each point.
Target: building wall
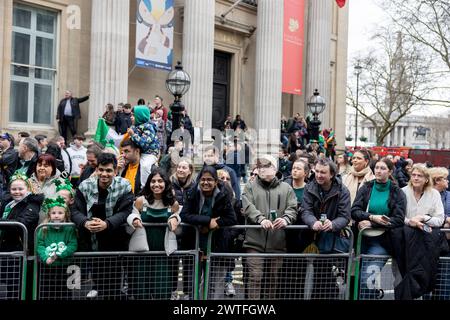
<point x="234" y="36"/>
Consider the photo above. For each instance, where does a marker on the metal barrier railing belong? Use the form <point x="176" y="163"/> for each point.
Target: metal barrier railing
<point x="375" y="277"/>
<point x="150" y="275"/>
<point x="273" y="276"/>
<point x="13" y="264"/>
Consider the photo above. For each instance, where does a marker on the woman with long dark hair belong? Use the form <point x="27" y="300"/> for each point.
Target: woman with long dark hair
<point x="156" y="204"/>
<point x="379" y="203"/>
<point x="208" y="206"/>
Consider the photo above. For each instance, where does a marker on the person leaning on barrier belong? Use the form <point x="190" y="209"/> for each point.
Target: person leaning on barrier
<point x="417" y="248"/>
<point x="271" y="203"/>
<point x="326" y="210"/>
<point x="157" y="204"/>
<point x="326" y="198"/>
<point x="20" y="205"/>
<point x="102" y="205"/>
<point x="376" y="200"/>
<point x="208" y="206"/>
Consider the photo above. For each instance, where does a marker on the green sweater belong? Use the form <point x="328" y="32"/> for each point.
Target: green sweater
<point x="378" y="203"/>
<point x="51" y="240"/>
<point x="299" y="194"/>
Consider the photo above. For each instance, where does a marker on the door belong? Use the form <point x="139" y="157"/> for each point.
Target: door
<point x="221" y="89"/>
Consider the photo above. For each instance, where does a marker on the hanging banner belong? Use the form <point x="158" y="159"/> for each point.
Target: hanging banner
<point x="154" y="34"/>
<point x="293" y="38"/>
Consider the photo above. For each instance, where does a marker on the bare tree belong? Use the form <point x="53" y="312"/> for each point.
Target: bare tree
<point x="393" y="82"/>
<point x="427" y="23"/>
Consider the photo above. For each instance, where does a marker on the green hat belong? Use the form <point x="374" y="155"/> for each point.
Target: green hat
<point x="64" y="185"/>
<point x="54" y="202"/>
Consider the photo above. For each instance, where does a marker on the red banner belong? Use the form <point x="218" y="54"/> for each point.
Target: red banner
<point x="293" y="39"/>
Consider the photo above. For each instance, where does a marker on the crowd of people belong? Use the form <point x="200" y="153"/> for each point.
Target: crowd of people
<point x="152" y="179"/>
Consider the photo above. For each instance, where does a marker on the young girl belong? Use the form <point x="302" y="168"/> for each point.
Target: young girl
<point x="19" y="206"/>
<point x="65" y="190"/>
<point x="55" y="244"/>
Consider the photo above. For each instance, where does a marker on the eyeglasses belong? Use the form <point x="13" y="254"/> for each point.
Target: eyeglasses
<point x="441" y="179"/>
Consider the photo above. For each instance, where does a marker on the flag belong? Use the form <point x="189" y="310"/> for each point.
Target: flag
<point x="340" y="3"/>
<point x="105" y="135"/>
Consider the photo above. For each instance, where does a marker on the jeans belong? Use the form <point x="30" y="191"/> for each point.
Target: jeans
<point x="371" y="268"/>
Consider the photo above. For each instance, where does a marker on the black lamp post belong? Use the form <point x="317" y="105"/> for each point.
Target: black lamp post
<point x="177" y="83"/>
<point x="316" y="106"/>
<point x="357" y="73"/>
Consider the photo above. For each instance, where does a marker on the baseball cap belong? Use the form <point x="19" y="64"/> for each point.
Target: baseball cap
<point x="7" y="136"/>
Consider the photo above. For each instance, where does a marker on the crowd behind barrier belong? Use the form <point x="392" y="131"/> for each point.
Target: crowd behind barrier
<point x="184" y="275"/>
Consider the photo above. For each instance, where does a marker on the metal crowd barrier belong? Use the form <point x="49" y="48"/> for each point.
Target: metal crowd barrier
<point x="13" y="266"/>
<point x="285" y="276"/>
<point x="150" y="275"/>
<point x="374" y="275"/>
<point x="374" y="279"/>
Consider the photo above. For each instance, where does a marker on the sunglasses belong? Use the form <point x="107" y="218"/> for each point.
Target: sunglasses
<point x="253" y="174"/>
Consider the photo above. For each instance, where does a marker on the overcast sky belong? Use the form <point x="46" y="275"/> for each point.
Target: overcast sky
<point x="366" y="16"/>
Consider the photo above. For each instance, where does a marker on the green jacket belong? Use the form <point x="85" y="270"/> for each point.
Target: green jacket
<point x="48" y="240"/>
<point x="257" y="202"/>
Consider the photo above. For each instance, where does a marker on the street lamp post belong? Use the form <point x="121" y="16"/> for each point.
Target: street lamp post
<point x="358" y="72"/>
<point x="178" y="83"/>
<point x="316" y="106"/>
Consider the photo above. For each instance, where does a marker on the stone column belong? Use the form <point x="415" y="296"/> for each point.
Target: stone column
<point x="198" y="59"/>
<point x="268" y="75"/>
<point x="109" y="56"/>
<point x="319" y="55"/>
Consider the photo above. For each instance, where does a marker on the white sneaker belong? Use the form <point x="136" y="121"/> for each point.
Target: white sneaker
<point x="229" y="289"/>
<point x="92" y="294"/>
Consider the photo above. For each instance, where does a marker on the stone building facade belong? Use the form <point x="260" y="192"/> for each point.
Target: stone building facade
<point x="49" y="46"/>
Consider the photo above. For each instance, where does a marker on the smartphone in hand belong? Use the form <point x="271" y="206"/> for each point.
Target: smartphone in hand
<point x="385" y="218"/>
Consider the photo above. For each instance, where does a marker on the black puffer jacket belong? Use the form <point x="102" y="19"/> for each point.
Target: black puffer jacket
<point x="222" y="208"/>
<point x="181" y="191"/>
<point x="25" y="212"/>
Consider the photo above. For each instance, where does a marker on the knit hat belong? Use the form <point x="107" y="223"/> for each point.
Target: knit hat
<point x="267" y="158"/>
<point x="141" y="115"/>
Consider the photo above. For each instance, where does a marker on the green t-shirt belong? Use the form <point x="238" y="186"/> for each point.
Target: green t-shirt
<point x="299" y="194"/>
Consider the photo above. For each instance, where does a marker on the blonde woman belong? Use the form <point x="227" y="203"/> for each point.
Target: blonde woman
<point x="439" y="177"/>
<point x="183" y="179"/>
<point x="359" y="174"/>
<point x="424" y="207"/>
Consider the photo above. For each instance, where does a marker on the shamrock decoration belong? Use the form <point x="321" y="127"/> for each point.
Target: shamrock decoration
<point x="50" y="251"/>
<point x="51" y="202"/>
<point x="61" y="248"/>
